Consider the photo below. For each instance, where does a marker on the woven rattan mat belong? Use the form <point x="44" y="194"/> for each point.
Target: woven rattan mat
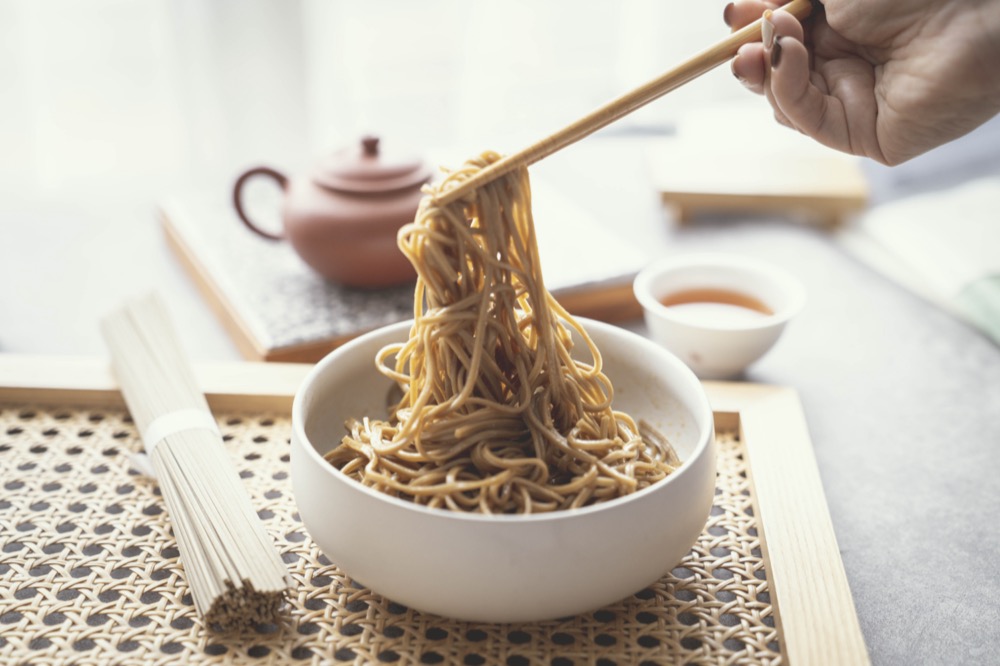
<point x="89" y="571"/>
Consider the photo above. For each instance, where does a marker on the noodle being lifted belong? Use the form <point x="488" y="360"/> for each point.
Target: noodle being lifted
<point x="495" y="416"/>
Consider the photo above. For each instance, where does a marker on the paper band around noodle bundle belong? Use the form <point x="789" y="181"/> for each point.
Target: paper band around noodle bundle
<point x="174" y="422"/>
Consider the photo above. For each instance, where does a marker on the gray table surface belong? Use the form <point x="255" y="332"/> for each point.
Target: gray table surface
<point x="902" y="400"/>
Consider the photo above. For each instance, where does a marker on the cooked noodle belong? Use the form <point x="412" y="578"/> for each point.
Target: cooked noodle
<point x="495" y="416"/>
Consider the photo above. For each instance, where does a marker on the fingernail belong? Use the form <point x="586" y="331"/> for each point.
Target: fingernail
<point x="767" y="29"/>
<point x="726" y="15"/>
<point x="732" y="68"/>
<point x="776" y="53"/>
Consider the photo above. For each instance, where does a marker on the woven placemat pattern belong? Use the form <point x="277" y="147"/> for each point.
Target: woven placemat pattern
<point x="89" y="571"/>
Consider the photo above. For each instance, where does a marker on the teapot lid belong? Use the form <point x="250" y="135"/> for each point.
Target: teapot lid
<point x="363" y="169"/>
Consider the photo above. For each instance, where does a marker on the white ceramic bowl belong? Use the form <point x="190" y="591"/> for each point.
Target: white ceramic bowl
<point x="504" y="568"/>
<point x="717" y="348"/>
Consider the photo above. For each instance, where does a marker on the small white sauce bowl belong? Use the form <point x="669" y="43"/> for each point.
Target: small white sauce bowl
<point x="717" y="349"/>
<point x="504" y="568"/>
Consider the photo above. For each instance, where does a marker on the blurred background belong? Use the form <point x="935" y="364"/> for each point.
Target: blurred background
<point x="108" y="105"/>
<point x="106" y="95"/>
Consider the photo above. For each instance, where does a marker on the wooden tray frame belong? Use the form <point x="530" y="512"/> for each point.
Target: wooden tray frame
<point x="816" y="617"/>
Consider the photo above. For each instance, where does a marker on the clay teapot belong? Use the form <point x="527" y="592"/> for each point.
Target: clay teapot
<point x="342" y="218"/>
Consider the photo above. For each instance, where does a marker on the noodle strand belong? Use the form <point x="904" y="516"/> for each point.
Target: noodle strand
<point x="496" y="415"/>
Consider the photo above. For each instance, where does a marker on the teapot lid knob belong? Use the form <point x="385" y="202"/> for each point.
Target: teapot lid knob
<point x="370" y="146"/>
<point x="365" y="168"/>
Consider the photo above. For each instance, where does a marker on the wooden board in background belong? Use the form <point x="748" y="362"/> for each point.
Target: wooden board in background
<point x="736" y="159"/>
<point x="824" y="191"/>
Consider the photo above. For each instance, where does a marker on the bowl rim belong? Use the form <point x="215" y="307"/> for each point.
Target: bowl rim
<point x="702" y="411"/>
<point x="785" y="281"/>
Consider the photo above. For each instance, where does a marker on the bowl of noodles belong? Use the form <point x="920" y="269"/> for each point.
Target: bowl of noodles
<point x="495" y="459"/>
<point x="504" y="567"/>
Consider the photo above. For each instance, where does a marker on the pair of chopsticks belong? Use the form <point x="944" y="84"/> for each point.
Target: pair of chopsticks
<point x="617" y="108"/>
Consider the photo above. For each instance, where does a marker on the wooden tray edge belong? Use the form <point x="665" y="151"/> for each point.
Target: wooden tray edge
<point x="86" y="381"/>
<point x="816" y="613"/>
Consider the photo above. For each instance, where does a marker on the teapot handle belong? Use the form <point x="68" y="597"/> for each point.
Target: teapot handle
<point x="238" y="197"/>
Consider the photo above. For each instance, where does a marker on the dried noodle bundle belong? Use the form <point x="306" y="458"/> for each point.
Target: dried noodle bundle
<point x="236" y="576"/>
<point x="495" y="416"/>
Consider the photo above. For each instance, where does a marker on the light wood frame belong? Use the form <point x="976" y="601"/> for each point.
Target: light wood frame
<point x="816" y="618"/>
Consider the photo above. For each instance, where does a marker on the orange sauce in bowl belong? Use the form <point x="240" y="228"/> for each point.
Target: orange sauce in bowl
<point x="718" y="306"/>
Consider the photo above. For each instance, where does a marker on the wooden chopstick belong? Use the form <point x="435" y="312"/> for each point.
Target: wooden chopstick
<point x="617" y="108"/>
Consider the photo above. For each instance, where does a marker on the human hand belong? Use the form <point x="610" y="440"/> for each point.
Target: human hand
<point x="883" y="79"/>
